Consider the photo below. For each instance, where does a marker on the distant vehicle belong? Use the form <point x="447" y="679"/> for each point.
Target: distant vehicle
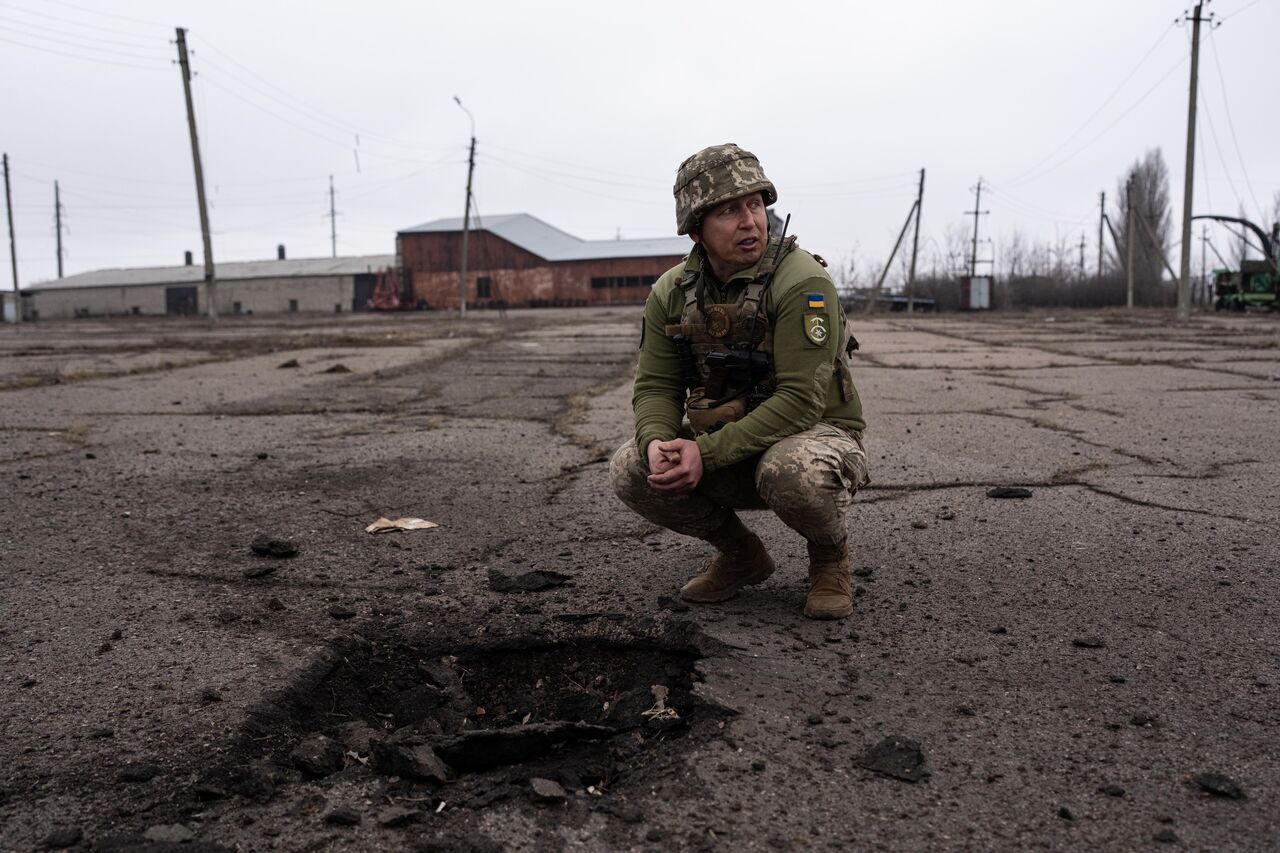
<point x="1255" y="285"/>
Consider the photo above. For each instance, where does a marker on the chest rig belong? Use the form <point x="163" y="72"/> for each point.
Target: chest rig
<point x="726" y="348"/>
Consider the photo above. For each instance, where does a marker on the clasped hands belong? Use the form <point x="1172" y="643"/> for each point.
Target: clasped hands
<point x="675" y="466"/>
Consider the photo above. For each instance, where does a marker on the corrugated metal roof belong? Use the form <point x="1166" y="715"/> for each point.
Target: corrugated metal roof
<point x="232" y="271"/>
<point x="546" y="241"/>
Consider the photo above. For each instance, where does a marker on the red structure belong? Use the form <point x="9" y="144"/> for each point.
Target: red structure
<point x="519" y="260"/>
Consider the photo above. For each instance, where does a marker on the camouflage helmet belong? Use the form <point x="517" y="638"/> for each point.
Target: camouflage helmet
<point x="714" y="175"/>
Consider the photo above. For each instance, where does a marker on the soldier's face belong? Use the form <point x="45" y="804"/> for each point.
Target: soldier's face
<point x="734" y="234"/>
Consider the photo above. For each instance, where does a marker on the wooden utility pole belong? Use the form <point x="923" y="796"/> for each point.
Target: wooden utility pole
<point x="1128" y="240"/>
<point x="1184" y="282"/>
<point x="333" y="222"/>
<point x="466" y="232"/>
<point x="57" y="223"/>
<point x="977" y="203"/>
<point x="13" y="249"/>
<point x="210" y="283"/>
<point x="915" y="249"/>
<point x="1102" y="218"/>
<point x="1082" y="245"/>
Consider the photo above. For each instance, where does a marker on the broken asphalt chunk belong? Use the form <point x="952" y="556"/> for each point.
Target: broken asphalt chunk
<point x="63" y="837"/>
<point x="1090" y="642"/>
<point x="898" y="757"/>
<point x="547" y="790"/>
<point x="342" y="816"/>
<point x="138" y="773"/>
<point x="287" y="365"/>
<point x="1005" y="492"/>
<point x="317" y="756"/>
<point x="477" y="751"/>
<point x="1219" y="785"/>
<point x="271" y="546"/>
<point x="532" y="581"/>
<point x="412" y="758"/>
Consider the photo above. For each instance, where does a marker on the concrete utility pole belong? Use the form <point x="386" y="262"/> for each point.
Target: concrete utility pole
<point x="1128" y="240"/>
<point x="13" y="249"/>
<point x="333" y="222"/>
<point x="210" y="283"/>
<point x="915" y="249"/>
<point x="57" y="223"/>
<point x="1184" y="282"/>
<point x="466" y="216"/>
<point x="1102" y="218"/>
<point x="977" y="203"/>
<point x="1082" y="245"/>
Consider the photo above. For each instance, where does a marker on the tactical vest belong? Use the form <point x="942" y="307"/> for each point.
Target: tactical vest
<point x="726" y="349"/>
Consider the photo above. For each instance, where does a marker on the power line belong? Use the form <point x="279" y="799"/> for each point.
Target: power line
<point x="83" y="58"/>
<point x="1226" y="107"/>
<point x="93" y="40"/>
<point x="1101" y="107"/>
<point x="1104" y="130"/>
<point x="97" y="28"/>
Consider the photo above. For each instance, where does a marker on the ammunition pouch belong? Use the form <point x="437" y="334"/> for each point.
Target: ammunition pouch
<point x="705" y="417"/>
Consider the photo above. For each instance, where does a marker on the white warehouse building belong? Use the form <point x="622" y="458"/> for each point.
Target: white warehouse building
<point x="245" y="287"/>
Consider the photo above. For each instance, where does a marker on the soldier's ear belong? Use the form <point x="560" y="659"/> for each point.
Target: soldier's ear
<point x="695" y="236"/>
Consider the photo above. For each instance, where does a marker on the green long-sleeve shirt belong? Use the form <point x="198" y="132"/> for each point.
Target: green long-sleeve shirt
<point x="808" y="389"/>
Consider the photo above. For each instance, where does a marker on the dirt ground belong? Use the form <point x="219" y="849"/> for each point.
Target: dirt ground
<point x="1092" y="666"/>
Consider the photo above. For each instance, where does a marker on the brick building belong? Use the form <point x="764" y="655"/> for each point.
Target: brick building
<point x="522" y="261"/>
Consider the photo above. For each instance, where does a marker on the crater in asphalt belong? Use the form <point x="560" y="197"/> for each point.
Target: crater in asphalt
<point x="474" y="723"/>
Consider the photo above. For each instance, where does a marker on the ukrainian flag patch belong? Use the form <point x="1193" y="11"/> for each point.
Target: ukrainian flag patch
<point x="817" y="302"/>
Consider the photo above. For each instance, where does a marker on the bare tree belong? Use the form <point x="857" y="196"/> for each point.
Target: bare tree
<point x="1151" y="225"/>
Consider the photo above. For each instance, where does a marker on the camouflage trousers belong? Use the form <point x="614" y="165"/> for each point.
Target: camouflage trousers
<point x="807" y="479"/>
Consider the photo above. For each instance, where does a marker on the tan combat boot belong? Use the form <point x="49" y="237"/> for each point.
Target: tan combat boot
<point x="742" y="561"/>
<point x="830" y="587"/>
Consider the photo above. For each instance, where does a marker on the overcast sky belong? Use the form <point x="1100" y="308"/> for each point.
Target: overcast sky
<point x="583" y="110"/>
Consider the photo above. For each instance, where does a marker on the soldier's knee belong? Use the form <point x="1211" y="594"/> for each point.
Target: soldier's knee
<point x="627" y="470"/>
<point x="796" y="478"/>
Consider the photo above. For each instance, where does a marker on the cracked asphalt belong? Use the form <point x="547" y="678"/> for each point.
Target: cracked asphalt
<point x="1068" y="663"/>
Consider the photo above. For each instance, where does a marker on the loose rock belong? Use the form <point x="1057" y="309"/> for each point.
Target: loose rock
<point x="532" y="581"/>
<point x="411" y="757"/>
<point x="1219" y="785"/>
<point x="1166" y="836"/>
<point x="291" y="363"/>
<point x="63" y="837"/>
<point x="547" y="790"/>
<point x="138" y="773"/>
<point x="398" y="816"/>
<point x="1090" y="642"/>
<point x="1111" y="790"/>
<point x="269" y="546"/>
<point x="260" y="570"/>
<point x="1065" y="813"/>
<point x="1006" y="492"/>
<point x="337" y="368"/>
<point x="342" y="816"/>
<point x="317" y="755"/>
<point x="675" y="605"/>
<point x="341" y="611"/>
<point x="898" y="757"/>
<point x="171" y="833"/>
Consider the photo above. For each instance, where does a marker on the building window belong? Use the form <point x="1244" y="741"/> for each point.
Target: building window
<point x="337" y="307"/>
<point x="293" y="306"/>
<point x="484" y="287"/>
<point x="615" y="281"/>
<point x="236" y="308"/>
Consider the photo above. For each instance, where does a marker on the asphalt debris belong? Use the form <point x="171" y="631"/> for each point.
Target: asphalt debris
<point x="547" y="790"/>
<point x="897" y="757"/>
<point x="673" y="604"/>
<point x="337" y="368"/>
<point x="1065" y="813"/>
<point x="341" y="611"/>
<point x="260" y="570"/>
<point x="1006" y="492"/>
<point x="342" y="816"/>
<point x="1090" y="642"/>
<point x="288" y="365"/>
<point x="138" y="772"/>
<point x="63" y="837"/>
<point x="1219" y="785"/>
<point x="1111" y="790"/>
<point x="531" y="581"/>
<point x="272" y="546"/>
<point x="1166" y="836"/>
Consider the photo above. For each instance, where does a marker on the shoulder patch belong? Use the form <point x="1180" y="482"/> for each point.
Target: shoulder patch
<point x="815" y="328"/>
